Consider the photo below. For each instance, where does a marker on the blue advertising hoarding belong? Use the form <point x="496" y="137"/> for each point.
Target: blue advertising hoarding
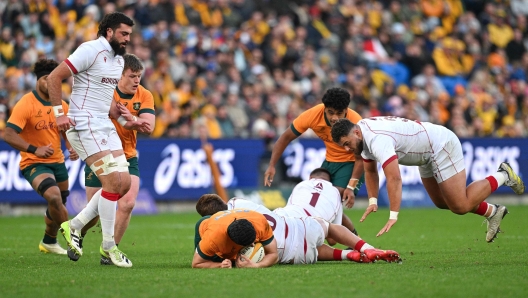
<point x="177" y="169"/>
<point x="169" y="169"/>
<point x="482" y="158"/>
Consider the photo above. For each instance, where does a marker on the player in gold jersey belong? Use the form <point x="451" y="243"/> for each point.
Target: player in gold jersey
<point x="32" y="130"/>
<point x="346" y="172"/>
<point x="140" y="103"/>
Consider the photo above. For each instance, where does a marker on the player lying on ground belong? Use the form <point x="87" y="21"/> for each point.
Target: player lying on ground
<point x="31" y="129"/>
<point x="300" y="240"/>
<point x="346" y="173"/>
<point x="315" y="197"/>
<point x="225" y="233"/>
<point x="140" y="103"/>
<point x="437" y="151"/>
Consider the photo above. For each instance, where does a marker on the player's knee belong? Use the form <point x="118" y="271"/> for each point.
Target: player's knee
<point x="54" y="201"/>
<point x="64" y="196"/>
<point x="460" y="210"/>
<point x="46" y="184"/>
<point x="126" y="205"/>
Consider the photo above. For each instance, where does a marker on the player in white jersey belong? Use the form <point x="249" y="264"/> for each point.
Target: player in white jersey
<point x="315" y="197"/>
<point x="438" y="153"/>
<point x="300" y="240"/>
<point x="97" y="66"/>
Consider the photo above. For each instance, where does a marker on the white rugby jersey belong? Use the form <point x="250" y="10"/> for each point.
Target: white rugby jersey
<point x="411" y="142"/>
<point x="96" y="72"/>
<point x="314" y="197"/>
<point x="289" y="232"/>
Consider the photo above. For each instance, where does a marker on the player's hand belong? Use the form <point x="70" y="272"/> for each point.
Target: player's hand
<point x="124" y="112"/>
<point x="44" y="151"/>
<point x="387" y="227"/>
<point x="64" y="122"/>
<point x="370" y="208"/>
<point x="268" y="175"/>
<point x="349" y="198"/>
<point x="226" y="264"/>
<point x="73" y="154"/>
<point x="141" y="125"/>
<point x="243" y="262"/>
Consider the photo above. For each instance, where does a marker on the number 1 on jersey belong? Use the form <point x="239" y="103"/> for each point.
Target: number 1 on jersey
<point x="315" y="198"/>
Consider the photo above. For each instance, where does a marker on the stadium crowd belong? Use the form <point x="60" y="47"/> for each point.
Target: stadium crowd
<point x="247" y="68"/>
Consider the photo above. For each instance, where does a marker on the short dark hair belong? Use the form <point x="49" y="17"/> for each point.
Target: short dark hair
<point x="341" y="128"/>
<point x="113" y="21"/>
<point x="242" y="232"/>
<point x="209" y="204"/>
<point x="133" y="63"/>
<point x="44" y="67"/>
<point x="318" y="172"/>
<point x="336" y="98"/>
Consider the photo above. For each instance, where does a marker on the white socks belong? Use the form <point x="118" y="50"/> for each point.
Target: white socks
<point x="501" y="177"/>
<point x="366" y="246"/>
<point x="344" y="254"/>
<point x="88" y="213"/>
<point x="107" y="215"/>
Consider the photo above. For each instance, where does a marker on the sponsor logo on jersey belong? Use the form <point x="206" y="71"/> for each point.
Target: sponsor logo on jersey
<point x="319" y="186"/>
<point x="42" y="124"/>
<point x="104" y="59"/>
<point x="136" y="106"/>
<point x="49" y="111"/>
<point x="103" y="142"/>
<point x="109" y="81"/>
<point x="90" y="176"/>
<point x="39" y="113"/>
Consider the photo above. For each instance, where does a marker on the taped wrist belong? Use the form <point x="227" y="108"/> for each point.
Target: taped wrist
<point x="58" y="111"/>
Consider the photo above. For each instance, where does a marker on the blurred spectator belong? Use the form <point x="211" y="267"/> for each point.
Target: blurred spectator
<point x="241" y="68"/>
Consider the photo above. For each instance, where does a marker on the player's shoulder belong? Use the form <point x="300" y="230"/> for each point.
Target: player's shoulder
<point x="353" y="116"/>
<point x="143" y="93"/>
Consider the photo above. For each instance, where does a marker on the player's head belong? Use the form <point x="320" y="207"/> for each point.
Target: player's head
<point x="116" y="27"/>
<point x="346" y="134"/>
<point x="242" y="232"/>
<point x="336" y="101"/>
<point x="42" y="69"/>
<point x="131" y="75"/>
<point x="321" y="173"/>
<point x="209" y="204"/>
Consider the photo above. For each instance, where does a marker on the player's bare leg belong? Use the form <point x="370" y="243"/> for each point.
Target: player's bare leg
<point x="124" y="209"/>
<point x="56" y="213"/>
<point x="343" y="236"/>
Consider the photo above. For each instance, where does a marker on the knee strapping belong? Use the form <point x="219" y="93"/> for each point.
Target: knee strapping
<point x="122" y="163"/>
<point x="48" y="215"/>
<point x="64" y="196"/>
<point x="105" y="165"/>
<point x="45" y="185"/>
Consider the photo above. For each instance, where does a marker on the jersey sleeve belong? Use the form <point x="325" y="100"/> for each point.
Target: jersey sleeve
<point x="266" y="233"/>
<point x="81" y="59"/>
<point x="353" y="116"/>
<point x="382" y="148"/>
<point x="303" y="122"/>
<point x="65" y="107"/>
<point x="19" y="116"/>
<point x="206" y="249"/>
<point x="147" y="103"/>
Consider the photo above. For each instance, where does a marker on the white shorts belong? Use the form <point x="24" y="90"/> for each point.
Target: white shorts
<point x="93" y="135"/>
<point x="446" y="162"/>
<point x="314" y="237"/>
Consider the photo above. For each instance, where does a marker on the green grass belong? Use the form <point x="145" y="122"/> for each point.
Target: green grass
<point x="444" y="255"/>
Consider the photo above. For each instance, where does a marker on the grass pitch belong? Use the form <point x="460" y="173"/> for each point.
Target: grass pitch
<point x="444" y="255"/>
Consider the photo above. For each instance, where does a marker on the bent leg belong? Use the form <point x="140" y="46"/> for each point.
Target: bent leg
<point x="124" y="209"/>
<point x="46" y="186"/>
<point x="432" y="188"/>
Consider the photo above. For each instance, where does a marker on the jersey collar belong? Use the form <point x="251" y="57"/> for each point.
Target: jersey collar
<point x="42" y="101"/>
<point x="106" y="44"/>
<point x="124" y="95"/>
